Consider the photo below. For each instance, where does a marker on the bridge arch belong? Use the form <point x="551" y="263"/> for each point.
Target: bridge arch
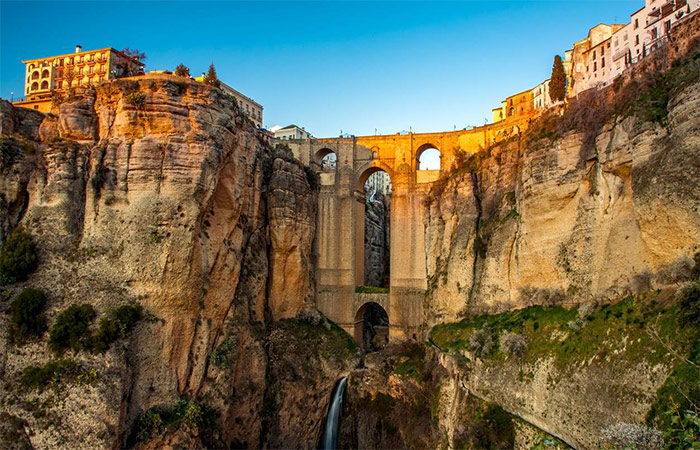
<point x="323" y="154"/>
<point x="367" y="172"/>
<point x="428" y="157"/>
<point x="371" y="329"/>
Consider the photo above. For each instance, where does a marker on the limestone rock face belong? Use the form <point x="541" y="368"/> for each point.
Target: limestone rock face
<point x="377" y="215"/>
<point x="160" y="190"/>
<point x="539" y="224"/>
<point x="292" y="212"/>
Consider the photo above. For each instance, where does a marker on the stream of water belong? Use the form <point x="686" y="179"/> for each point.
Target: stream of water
<point x="329" y="440"/>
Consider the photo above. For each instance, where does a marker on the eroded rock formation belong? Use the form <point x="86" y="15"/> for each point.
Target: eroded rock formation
<point x="158" y="190"/>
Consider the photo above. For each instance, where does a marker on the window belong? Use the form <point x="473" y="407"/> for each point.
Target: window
<point x="602" y="62"/>
<point x="636" y="40"/>
<point x="667" y="27"/>
<point x="654" y="33"/>
<point x="594" y="54"/>
<point x="636" y="23"/>
<point x="595" y="66"/>
<point x="602" y="50"/>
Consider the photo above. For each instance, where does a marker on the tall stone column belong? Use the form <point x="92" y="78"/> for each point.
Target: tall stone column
<point x="408" y="262"/>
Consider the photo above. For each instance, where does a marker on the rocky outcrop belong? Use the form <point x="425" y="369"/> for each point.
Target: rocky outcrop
<point x="158" y="189"/>
<point x="553" y="222"/>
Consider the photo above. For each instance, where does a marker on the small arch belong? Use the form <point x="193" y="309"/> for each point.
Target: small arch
<point x="44" y="73"/>
<point x="35" y="86"/>
<point x="326" y="155"/>
<point x="35" y="75"/>
<point x="362" y="179"/>
<point x="371" y="330"/>
<point x="44" y="84"/>
<point x="428" y="157"/>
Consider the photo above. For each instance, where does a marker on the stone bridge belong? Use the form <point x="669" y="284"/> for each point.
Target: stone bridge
<point x="341" y="214"/>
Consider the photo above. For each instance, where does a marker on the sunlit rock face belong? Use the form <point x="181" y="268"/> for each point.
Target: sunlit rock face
<point x="160" y="190"/>
<point x="553" y="223"/>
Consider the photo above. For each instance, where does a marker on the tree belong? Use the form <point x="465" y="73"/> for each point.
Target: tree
<point x="557" y="84"/>
<point x="211" y="77"/>
<point x="134" y="53"/>
<point x="182" y="71"/>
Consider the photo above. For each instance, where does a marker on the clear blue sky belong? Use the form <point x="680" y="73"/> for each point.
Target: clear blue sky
<point x="352" y="66"/>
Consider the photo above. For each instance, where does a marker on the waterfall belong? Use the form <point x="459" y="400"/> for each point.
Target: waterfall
<point x="329" y="440"/>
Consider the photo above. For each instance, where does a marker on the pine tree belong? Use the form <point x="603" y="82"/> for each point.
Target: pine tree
<point x="182" y="71"/>
<point x="557" y="84"/>
<point x="211" y="77"/>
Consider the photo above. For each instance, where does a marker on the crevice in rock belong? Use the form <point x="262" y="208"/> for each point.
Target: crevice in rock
<point x="478" y="242"/>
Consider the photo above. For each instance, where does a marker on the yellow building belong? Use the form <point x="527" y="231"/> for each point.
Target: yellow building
<point x="45" y="76"/>
<point x="518" y="106"/>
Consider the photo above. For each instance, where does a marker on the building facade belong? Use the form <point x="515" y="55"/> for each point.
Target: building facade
<point x="250" y="107"/>
<point x="291" y="132"/>
<point x="540" y="96"/>
<point x="592" y="59"/>
<point x="45" y="76"/>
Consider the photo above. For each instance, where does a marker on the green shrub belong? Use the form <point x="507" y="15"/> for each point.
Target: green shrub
<point x="18" y="257"/>
<point x="56" y="372"/>
<point x="137" y="100"/>
<point x="71" y="329"/>
<point x="116" y="325"/>
<point x="27" y="314"/>
<point x="183" y="415"/>
<point x="689" y="305"/>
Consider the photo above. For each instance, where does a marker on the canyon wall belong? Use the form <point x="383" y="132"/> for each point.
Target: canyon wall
<point x="158" y="190"/>
<point x="559" y="222"/>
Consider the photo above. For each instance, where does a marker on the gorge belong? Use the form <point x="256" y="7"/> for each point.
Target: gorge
<point x="542" y="288"/>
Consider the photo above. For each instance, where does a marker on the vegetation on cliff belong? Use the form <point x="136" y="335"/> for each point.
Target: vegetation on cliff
<point x="18" y="257"/>
<point x="27" y="314"/>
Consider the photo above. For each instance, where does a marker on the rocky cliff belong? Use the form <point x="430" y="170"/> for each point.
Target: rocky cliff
<point x="158" y="190"/>
<point x="552" y="222"/>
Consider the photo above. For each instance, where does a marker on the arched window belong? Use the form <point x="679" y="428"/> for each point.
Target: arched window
<point x="35" y="86"/>
<point x="35" y="75"/>
<point x="44" y="73"/>
<point x="44" y="84"/>
<point x="428" y="157"/>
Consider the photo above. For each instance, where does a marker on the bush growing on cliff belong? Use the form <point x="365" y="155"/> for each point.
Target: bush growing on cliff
<point x="56" y="372"/>
<point x="18" y="257"/>
<point x="71" y="329"/>
<point x="482" y="342"/>
<point x="137" y="100"/>
<point x="27" y="314"/>
<point x="116" y="325"/>
<point x="689" y="305"/>
<point x="513" y="344"/>
<point x="184" y="415"/>
<point x="632" y="436"/>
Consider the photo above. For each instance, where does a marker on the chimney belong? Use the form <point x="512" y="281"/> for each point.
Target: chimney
<point x="78" y="48"/>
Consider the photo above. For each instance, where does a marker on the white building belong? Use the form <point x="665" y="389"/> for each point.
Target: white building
<point x="608" y="51"/>
<point x="290" y="132"/>
<point x="540" y="96"/>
